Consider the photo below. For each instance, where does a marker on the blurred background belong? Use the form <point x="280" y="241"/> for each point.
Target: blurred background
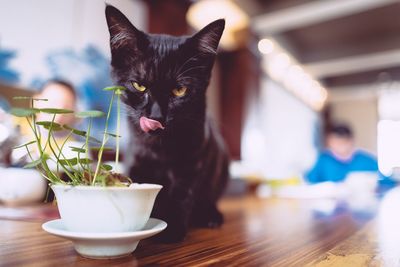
<point x="287" y="70"/>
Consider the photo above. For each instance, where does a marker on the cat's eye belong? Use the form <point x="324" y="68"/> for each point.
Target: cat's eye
<point x="179" y="92"/>
<point x="140" y="88"/>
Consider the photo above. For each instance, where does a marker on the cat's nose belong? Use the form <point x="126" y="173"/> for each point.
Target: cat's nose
<point x="155" y="112"/>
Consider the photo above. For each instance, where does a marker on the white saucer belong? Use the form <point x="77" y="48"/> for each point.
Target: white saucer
<point x="105" y="245"/>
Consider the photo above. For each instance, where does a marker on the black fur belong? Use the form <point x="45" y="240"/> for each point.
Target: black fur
<point x="188" y="157"/>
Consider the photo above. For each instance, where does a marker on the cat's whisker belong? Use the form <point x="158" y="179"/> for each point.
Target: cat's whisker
<point x="190" y="69"/>
<point x="187" y="61"/>
<point x="124" y="110"/>
<point x="127" y="110"/>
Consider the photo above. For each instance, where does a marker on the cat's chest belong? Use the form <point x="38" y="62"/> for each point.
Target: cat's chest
<point x="171" y="158"/>
<point x="164" y="167"/>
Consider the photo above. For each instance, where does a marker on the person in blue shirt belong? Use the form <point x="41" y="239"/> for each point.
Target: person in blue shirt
<point x="340" y="158"/>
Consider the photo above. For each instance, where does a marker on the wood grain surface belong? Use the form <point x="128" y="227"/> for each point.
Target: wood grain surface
<point x="257" y="232"/>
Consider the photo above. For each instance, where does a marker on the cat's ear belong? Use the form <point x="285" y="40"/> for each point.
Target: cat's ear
<point x="207" y="39"/>
<point x="123" y="35"/>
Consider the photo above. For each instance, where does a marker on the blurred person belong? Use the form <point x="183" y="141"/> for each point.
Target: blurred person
<point x="340" y="158"/>
<point x="60" y="94"/>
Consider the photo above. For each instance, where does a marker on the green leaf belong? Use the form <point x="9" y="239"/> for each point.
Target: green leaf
<point x="21" y="97"/>
<point x="47" y="124"/>
<point x="106" y="167"/>
<point x="29" y="98"/>
<point x="94" y="140"/>
<point x="75" y="131"/>
<point x="85" y="161"/>
<point x="90" y="114"/>
<point x="56" y="110"/>
<point x="26" y="144"/>
<point x="113" y="135"/>
<point x="33" y="164"/>
<point x="77" y="149"/>
<point x="24" y="112"/>
<point x="114" y="88"/>
<point x="45" y="156"/>
<point x="71" y="162"/>
<point x="104" y="148"/>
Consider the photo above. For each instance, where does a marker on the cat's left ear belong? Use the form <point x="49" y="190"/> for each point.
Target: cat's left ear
<point x="124" y="37"/>
<point x="207" y="39"/>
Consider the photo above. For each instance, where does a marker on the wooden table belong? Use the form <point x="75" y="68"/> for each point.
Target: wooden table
<point x="257" y="232"/>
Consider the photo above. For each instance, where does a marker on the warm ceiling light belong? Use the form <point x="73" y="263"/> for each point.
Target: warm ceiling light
<point x="285" y="69"/>
<point x="203" y="12"/>
<point x="278" y="65"/>
<point x="265" y="46"/>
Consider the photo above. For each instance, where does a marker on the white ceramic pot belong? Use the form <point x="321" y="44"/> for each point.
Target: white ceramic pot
<point x="20" y="186"/>
<point x="96" y="209"/>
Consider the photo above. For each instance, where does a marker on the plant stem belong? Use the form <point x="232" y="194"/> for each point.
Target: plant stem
<point x="49" y="136"/>
<point x="100" y="154"/>
<point x="62" y="147"/>
<point x="118" y="126"/>
<point x="37" y="168"/>
<point x="38" y="136"/>
<point x="81" y="165"/>
<point x="87" y="147"/>
<point x="34" y="119"/>
<point x="74" y="172"/>
<point x="71" y="176"/>
<point x="38" y="142"/>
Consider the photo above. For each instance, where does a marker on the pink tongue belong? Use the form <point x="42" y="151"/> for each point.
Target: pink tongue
<point x="149" y="125"/>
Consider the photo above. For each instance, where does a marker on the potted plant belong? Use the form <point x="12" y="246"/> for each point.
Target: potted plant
<point x="95" y="202"/>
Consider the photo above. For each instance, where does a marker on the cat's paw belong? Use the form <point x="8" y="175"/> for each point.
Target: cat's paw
<point x="171" y="235"/>
<point x="215" y="220"/>
<point x="212" y="219"/>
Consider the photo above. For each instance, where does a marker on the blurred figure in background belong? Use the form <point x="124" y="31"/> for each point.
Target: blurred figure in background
<point x="60" y="94"/>
<point x="340" y="158"/>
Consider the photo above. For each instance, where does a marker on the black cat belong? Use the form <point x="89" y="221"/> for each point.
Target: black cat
<point x="174" y="143"/>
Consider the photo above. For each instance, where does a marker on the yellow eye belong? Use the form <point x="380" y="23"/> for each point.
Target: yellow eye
<point x="179" y="91"/>
<point x="140" y="88"/>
